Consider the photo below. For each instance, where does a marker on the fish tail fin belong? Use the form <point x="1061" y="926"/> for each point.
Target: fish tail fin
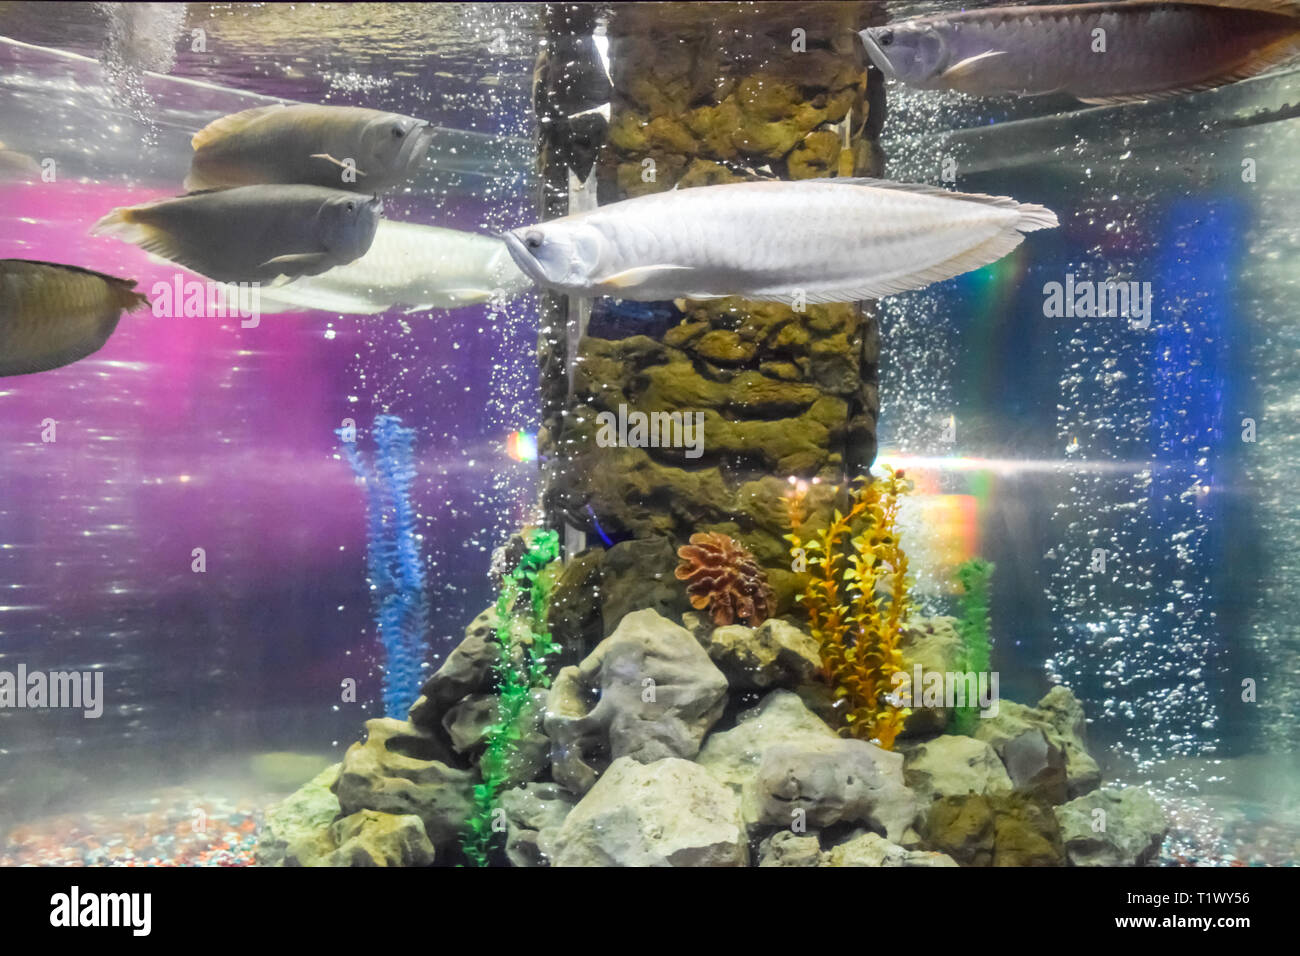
<point x="131" y="300"/>
<point x="127" y="225"/>
<point x="127" y="299"/>
<point x="1034" y="217"/>
<point x="116" y="223"/>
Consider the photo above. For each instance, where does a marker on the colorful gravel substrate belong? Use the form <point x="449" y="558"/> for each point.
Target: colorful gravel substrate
<point x="170" y="829"/>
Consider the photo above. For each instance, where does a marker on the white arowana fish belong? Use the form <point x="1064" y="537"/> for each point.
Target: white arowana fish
<point x="251" y="233"/>
<point x="815" y="240"/>
<point x="309" y="144"/>
<point x="53" y="315"/>
<point x="1097" y="52"/>
<point x="410" y="266"/>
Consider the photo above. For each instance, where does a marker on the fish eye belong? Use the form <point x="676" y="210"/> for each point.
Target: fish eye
<point x="885" y="37"/>
<point x="352" y="207"/>
<point x="533" y="239"/>
<point x="398" y="132"/>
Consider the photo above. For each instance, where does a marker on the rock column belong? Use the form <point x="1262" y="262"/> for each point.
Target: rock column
<point x="750" y="92"/>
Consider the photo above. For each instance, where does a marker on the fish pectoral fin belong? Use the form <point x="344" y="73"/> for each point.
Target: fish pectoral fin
<point x="962" y="69"/>
<point x="638" y="275"/>
<point x="337" y="162"/>
<point x="472" y="296"/>
<point x="299" y="259"/>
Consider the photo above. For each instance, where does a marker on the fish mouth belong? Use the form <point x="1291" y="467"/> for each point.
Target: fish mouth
<point x="877" y="53"/>
<point x="524" y="259"/>
<point x="416" y="145"/>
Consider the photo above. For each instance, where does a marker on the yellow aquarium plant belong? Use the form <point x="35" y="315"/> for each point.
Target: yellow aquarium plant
<point x="857" y="602"/>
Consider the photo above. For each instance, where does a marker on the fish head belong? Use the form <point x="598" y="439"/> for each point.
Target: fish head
<point x="560" y="253"/>
<point x="395" y="143"/>
<point x="914" y="51"/>
<point x="348" y="223"/>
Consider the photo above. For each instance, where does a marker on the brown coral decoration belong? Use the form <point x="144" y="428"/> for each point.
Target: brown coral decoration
<point x="724" y="578"/>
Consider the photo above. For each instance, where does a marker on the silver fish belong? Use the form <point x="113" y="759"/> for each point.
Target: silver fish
<point x="1152" y="48"/>
<point x="308" y="144"/>
<point x="822" y="240"/>
<point x="252" y="233"/>
<point x="409" y="265"/>
<point x="53" y="315"/>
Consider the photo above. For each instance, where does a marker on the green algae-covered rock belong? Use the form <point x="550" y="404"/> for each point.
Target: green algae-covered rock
<point x="998" y="829"/>
<point x="371" y="838"/>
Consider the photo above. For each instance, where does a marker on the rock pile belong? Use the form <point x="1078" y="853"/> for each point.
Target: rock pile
<point x="645" y="754"/>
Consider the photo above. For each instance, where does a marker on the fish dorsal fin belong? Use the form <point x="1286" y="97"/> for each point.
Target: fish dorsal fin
<point x="637" y="275"/>
<point x="963" y="69"/>
<point x="1286" y="8"/>
<point x="229" y="125"/>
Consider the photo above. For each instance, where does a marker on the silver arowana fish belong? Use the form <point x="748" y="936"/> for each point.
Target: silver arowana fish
<point x="252" y="233"/>
<point x="816" y="240"/>
<point x="1153" y="49"/>
<point x="409" y="265"/>
<point x="308" y="144"/>
<point x="53" y="315"/>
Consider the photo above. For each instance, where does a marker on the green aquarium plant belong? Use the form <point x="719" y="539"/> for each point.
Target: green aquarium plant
<point x="975" y="577"/>
<point x="526" y="645"/>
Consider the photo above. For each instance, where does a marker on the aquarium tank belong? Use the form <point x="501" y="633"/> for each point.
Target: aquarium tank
<point x="832" y="434"/>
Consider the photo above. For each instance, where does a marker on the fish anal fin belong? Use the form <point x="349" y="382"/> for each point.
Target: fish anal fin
<point x="229" y="125"/>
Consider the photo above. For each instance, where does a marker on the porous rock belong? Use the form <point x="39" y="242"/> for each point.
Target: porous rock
<point x="787" y="848"/>
<point x="953" y="766"/>
<point x="295" y="831"/>
<point x="733" y="756"/>
<point x="834" y="781"/>
<point x="467" y="724"/>
<point x="871" y="849"/>
<point x="670" y="812"/>
<point x="648" y="691"/>
<point x="397" y="770"/>
<point x="534" y="815"/>
<point x="1059" y="716"/>
<point x="467" y="670"/>
<point x="774" y="654"/>
<point x="1113" y="827"/>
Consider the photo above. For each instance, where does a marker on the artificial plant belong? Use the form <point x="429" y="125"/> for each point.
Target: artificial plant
<point x="857" y="601"/>
<point x="394" y="562"/>
<point x="974" y="576"/>
<point x="525" y="644"/>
